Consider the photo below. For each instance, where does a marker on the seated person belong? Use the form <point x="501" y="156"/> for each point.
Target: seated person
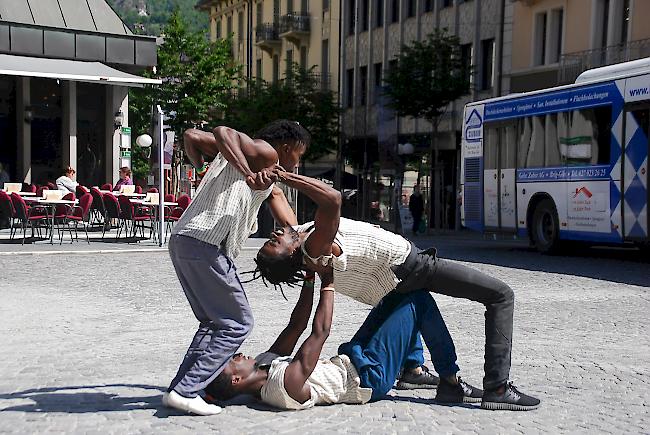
<point x="125" y="178"/>
<point x="65" y="183"/>
<point x="366" y="368"/>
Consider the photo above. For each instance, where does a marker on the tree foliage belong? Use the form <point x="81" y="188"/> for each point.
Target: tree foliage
<point x="148" y="17"/>
<point x="299" y="96"/>
<point x="198" y="77"/>
<point x="429" y="75"/>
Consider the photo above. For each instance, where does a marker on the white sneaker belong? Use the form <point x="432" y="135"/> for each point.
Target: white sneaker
<point x="195" y="405"/>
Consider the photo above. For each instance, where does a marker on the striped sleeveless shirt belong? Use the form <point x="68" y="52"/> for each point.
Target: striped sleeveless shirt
<point x="363" y="270"/>
<point x="224" y="210"/>
<point x="333" y="380"/>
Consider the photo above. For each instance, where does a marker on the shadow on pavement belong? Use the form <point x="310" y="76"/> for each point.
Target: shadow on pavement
<point x="66" y="399"/>
<point x="621" y="265"/>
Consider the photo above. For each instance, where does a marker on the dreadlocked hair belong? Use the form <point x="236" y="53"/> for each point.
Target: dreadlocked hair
<point x="282" y="131"/>
<point x="278" y="270"/>
<point x="221" y="387"/>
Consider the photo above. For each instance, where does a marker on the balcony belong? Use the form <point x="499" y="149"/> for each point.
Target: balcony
<point x="573" y="64"/>
<point x="294" y="26"/>
<point x="267" y="37"/>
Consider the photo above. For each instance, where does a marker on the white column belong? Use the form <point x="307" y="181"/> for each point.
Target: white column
<point x="69" y="139"/>
<point x="117" y="98"/>
<point x="24" y="130"/>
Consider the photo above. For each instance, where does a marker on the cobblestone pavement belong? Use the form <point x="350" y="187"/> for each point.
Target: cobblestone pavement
<point x="90" y="340"/>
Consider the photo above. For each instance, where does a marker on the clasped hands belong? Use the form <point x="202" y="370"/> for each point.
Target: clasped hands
<point x="264" y="178"/>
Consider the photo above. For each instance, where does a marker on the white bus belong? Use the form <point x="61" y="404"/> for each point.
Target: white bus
<point x="566" y="163"/>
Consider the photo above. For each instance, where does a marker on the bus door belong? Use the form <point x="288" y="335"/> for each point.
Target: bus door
<point x="635" y="172"/>
<point x="499" y="163"/>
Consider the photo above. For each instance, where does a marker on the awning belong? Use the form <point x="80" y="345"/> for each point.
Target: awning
<point x="74" y="70"/>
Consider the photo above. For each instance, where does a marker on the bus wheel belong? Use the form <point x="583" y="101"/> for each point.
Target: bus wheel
<point x="545" y="229"/>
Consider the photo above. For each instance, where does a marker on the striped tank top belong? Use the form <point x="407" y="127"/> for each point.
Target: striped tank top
<point x="333" y="380"/>
<point x="363" y="270"/>
<point x="224" y="211"/>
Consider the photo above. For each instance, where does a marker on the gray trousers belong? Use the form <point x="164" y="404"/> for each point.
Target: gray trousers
<point x="424" y="270"/>
<point x="209" y="279"/>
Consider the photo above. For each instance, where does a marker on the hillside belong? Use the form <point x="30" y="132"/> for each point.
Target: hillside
<point x="148" y="17"/>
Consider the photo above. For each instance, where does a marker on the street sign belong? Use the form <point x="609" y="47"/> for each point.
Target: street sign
<point x="125" y="154"/>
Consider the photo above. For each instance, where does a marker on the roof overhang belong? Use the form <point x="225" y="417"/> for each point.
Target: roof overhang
<point x="73" y="70"/>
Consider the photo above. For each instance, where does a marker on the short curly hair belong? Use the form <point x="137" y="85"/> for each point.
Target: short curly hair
<point x="221" y="387"/>
<point x="282" y="130"/>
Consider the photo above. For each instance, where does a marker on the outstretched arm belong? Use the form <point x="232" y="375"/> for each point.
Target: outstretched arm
<point x="288" y="338"/>
<point x="280" y="208"/>
<point x="304" y="363"/>
<point x="328" y="213"/>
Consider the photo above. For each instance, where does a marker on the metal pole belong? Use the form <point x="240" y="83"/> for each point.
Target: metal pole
<point x="161" y="176"/>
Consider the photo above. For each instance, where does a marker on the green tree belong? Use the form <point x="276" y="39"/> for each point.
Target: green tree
<point x="429" y="75"/>
<point x="299" y="96"/>
<point x="198" y="77"/>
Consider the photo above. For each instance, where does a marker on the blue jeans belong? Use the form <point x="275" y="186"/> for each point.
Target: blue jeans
<point x="388" y="340"/>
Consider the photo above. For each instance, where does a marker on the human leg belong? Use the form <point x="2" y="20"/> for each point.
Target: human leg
<point x="380" y="360"/>
<point x="219" y="302"/>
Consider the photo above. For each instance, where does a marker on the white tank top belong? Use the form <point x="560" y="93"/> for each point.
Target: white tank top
<point x="224" y="210"/>
<point x="363" y="270"/>
<point x="333" y="380"/>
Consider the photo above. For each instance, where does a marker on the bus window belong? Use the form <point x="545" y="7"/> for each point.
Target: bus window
<point x="536" y="150"/>
<point x="508" y="146"/>
<point x="552" y="148"/>
<point x="524" y="131"/>
<point x="490" y="146"/>
<point x="588" y="137"/>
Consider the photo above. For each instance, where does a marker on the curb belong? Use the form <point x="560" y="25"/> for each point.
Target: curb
<point x="94" y="251"/>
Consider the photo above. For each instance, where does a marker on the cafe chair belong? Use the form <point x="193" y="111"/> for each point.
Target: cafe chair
<point x="32" y="216"/>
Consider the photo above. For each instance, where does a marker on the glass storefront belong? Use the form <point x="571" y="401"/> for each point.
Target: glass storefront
<point x="91" y="136"/>
<point x="8" y="139"/>
<point x="46" y="130"/>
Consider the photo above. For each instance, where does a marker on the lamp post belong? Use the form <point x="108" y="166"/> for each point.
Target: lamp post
<point x="403" y="150"/>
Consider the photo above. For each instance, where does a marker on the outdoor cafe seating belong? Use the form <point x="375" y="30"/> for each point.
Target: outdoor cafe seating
<point x="45" y="210"/>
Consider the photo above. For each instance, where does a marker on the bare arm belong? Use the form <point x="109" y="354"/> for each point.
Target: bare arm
<point x="286" y="341"/>
<point x="304" y="363"/>
<point x="328" y="213"/>
<point x="245" y="154"/>
<point x="280" y="208"/>
<point x="198" y="145"/>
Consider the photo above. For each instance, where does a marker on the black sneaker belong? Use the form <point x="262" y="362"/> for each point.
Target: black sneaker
<point x="511" y="399"/>
<point x="462" y="392"/>
<point x="410" y="381"/>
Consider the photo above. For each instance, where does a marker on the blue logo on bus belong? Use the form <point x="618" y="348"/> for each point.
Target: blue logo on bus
<point x="474" y="127"/>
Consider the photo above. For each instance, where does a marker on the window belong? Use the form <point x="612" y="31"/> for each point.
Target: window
<point x="326" y="5"/>
<point x="303" y="57"/>
<point x="410" y="10"/>
<point x="276" y="68"/>
<point x="219" y="29"/>
<point x="447" y="3"/>
<point x="377" y="80"/>
<point x="363" y="85"/>
<point x="588" y="136"/>
<point x="466" y="60"/>
<point x="557" y="23"/>
<point x="379" y="13"/>
<point x="349" y="82"/>
<point x="487" y="63"/>
<point x="428" y="5"/>
<point x="394" y="11"/>
<point x="304" y="7"/>
<point x="289" y="6"/>
<point x="259" y="14"/>
<point x="258" y="68"/>
<point x="289" y="62"/>
<point x="605" y="23"/>
<point x="625" y="22"/>
<point x="540" y="39"/>
<point x="363" y="15"/>
<point x="276" y="11"/>
<point x="229" y="26"/>
<point x="351" y="17"/>
<point x="240" y="26"/>
<point x="325" y="56"/>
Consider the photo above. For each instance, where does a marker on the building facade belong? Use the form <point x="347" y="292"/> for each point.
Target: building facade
<point x="374" y="32"/>
<point x="269" y="35"/>
<point x="556" y="40"/>
<point x="65" y="70"/>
